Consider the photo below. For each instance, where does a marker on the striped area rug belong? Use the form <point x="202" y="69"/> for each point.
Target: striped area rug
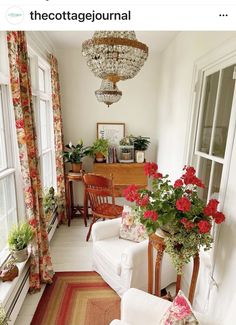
<point x="77" y="298"/>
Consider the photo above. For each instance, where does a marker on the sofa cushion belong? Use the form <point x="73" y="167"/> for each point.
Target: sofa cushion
<point x="110" y="250"/>
<point x="131" y="228"/>
<point x="180" y="312"/>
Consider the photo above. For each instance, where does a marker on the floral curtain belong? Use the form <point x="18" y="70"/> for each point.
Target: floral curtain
<point x="58" y="138"/>
<point x="41" y="266"/>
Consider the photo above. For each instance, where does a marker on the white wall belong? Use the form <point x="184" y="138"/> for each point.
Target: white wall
<point x="81" y="110"/>
<point x="173" y="126"/>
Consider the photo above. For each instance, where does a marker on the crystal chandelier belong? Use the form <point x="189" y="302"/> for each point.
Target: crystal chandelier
<point x="108" y="93"/>
<point x="114" y="55"/>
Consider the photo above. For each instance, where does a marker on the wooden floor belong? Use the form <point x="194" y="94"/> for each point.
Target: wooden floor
<point x="70" y="252"/>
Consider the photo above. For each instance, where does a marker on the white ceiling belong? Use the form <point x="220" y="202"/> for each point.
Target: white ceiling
<point x="156" y="41"/>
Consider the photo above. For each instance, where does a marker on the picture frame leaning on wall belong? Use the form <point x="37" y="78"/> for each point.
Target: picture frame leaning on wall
<point x="114" y="132"/>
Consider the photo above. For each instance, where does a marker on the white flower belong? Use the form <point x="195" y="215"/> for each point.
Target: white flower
<point x="70" y="144"/>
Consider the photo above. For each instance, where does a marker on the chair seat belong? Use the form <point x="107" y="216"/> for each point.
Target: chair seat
<point x="109" y="252"/>
<point x="109" y="210"/>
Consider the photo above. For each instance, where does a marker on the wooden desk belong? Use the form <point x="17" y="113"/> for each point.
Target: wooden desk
<point x="123" y="175"/>
<point x="71" y="208"/>
<point x="157" y="243"/>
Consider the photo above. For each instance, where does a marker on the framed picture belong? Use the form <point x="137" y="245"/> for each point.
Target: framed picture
<point x="114" y="132"/>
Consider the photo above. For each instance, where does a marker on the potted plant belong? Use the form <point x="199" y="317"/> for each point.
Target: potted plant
<point x="126" y="149"/>
<point x="140" y="146"/>
<point x="18" y="240"/>
<point x="178" y="210"/>
<point x="74" y="155"/>
<point x="3" y="316"/>
<point x="99" y="149"/>
<point x="49" y="202"/>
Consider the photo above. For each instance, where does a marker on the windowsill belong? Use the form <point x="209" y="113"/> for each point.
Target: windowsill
<point x="7" y="287"/>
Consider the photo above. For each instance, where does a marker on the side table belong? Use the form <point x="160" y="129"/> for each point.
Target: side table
<point x="157" y="243"/>
<point x="71" y="208"/>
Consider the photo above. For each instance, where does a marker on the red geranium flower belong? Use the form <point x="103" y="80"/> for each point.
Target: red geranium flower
<point x="143" y="201"/>
<point x="219" y="217"/>
<point x="183" y="204"/>
<point x="150" y="214"/>
<point x="187" y="224"/>
<point x="204" y="226"/>
<point x="131" y="193"/>
<point x="150" y="169"/>
<point x="211" y="207"/>
<point x="178" y="183"/>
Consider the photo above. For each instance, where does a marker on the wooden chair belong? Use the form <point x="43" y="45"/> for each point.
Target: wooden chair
<point x="100" y="193"/>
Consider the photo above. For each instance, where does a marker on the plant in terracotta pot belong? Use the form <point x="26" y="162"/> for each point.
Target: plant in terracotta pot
<point x="178" y="210"/>
<point x="18" y="240"/>
<point x="49" y="202"/>
<point x="74" y="155"/>
<point x="126" y="148"/>
<point x="99" y="149"/>
<point x="140" y="146"/>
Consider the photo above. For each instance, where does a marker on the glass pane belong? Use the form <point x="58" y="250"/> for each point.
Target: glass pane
<point x="43" y="125"/>
<point x="41" y="80"/>
<point x="47" y="170"/>
<point x="8" y="213"/>
<point x="223" y="113"/>
<point x="208" y="112"/>
<point x="215" y="189"/>
<point x="204" y="174"/>
<point x="3" y="159"/>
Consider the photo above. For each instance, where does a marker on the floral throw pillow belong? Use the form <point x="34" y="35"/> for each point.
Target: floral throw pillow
<point x="180" y="312"/>
<point x="131" y="228"/>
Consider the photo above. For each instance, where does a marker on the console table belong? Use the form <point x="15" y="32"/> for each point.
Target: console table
<point x="123" y="175"/>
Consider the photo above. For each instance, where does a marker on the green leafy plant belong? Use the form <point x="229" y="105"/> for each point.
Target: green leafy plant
<point x="49" y="200"/>
<point x="99" y="146"/>
<point x="127" y="141"/>
<point x="75" y="153"/>
<point x="141" y="143"/>
<point x="20" y="236"/>
<point x="178" y="210"/>
<point x="3" y="317"/>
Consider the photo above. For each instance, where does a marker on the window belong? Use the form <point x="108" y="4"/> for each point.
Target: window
<point x="41" y="86"/>
<point x="212" y="145"/>
<point x="8" y="208"/>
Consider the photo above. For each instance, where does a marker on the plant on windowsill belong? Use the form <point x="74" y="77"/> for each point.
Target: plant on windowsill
<point x="99" y="149"/>
<point x="18" y="239"/>
<point x="49" y="203"/>
<point x="178" y="210"/>
<point x="140" y="146"/>
<point x="74" y="154"/>
<point x="3" y="317"/>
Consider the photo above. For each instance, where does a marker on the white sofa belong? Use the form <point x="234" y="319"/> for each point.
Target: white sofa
<point x="122" y="263"/>
<point x="139" y="308"/>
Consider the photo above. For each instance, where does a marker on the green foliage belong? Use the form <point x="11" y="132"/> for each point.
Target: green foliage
<point x="141" y="143"/>
<point x="99" y="146"/>
<point x="75" y="153"/>
<point x="20" y="236"/>
<point x="49" y="200"/>
<point x="127" y="141"/>
<point x="3" y="317"/>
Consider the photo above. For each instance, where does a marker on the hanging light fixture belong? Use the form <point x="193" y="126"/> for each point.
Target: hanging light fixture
<point x="108" y="93"/>
<point x="114" y="55"/>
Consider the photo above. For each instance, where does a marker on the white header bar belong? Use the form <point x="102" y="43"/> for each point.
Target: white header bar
<point x="103" y="17"/>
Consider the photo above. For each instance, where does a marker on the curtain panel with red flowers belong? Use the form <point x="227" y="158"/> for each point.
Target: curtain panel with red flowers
<point x="58" y="139"/>
<point x="41" y="266"/>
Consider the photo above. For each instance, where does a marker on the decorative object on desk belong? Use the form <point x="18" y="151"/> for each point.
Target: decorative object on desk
<point x="99" y="149"/>
<point x="3" y="316"/>
<point x="126" y="150"/>
<point x="113" y="132"/>
<point x="179" y="210"/>
<point x="108" y="93"/>
<point x="18" y="240"/>
<point x="74" y="155"/>
<point x="9" y="271"/>
<point x="140" y="146"/>
<point x="114" y="56"/>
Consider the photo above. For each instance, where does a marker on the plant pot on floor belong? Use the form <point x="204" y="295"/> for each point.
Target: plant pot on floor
<point x="21" y="255"/>
<point x="76" y="167"/>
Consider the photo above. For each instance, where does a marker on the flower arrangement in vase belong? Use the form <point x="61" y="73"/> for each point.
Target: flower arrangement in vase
<point x="178" y="210"/>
